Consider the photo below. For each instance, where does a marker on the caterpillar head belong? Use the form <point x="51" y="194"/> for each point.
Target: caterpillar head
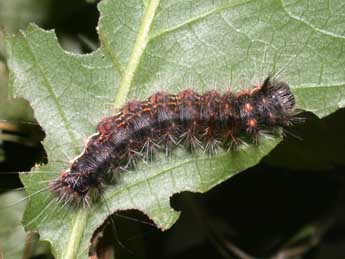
<point x="281" y="108"/>
<point x="71" y="188"/>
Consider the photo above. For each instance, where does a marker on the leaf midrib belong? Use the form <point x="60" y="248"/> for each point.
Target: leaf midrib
<point x="138" y="50"/>
<point x="82" y="216"/>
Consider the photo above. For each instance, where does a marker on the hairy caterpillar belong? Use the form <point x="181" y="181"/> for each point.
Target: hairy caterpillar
<point x="206" y="121"/>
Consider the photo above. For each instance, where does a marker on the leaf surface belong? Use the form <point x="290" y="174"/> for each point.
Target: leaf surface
<point x="154" y="45"/>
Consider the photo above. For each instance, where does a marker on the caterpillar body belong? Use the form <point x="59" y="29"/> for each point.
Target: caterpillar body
<point x="197" y="121"/>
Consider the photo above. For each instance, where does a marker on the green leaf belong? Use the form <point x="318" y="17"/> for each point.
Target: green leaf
<point x="13" y="111"/>
<point x="16" y="14"/>
<point x="15" y="243"/>
<point x="12" y="234"/>
<point x="151" y="45"/>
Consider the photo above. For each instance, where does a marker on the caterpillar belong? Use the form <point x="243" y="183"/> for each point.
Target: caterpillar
<point x="206" y="121"/>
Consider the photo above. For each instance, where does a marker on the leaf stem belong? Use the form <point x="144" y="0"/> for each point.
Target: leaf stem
<point x="79" y="224"/>
<point x="138" y="50"/>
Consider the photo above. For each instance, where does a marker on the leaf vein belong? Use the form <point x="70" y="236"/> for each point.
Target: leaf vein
<point x="55" y="99"/>
<point x="200" y="17"/>
<point x="137" y="52"/>
<point x="117" y="66"/>
<point x="310" y="25"/>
